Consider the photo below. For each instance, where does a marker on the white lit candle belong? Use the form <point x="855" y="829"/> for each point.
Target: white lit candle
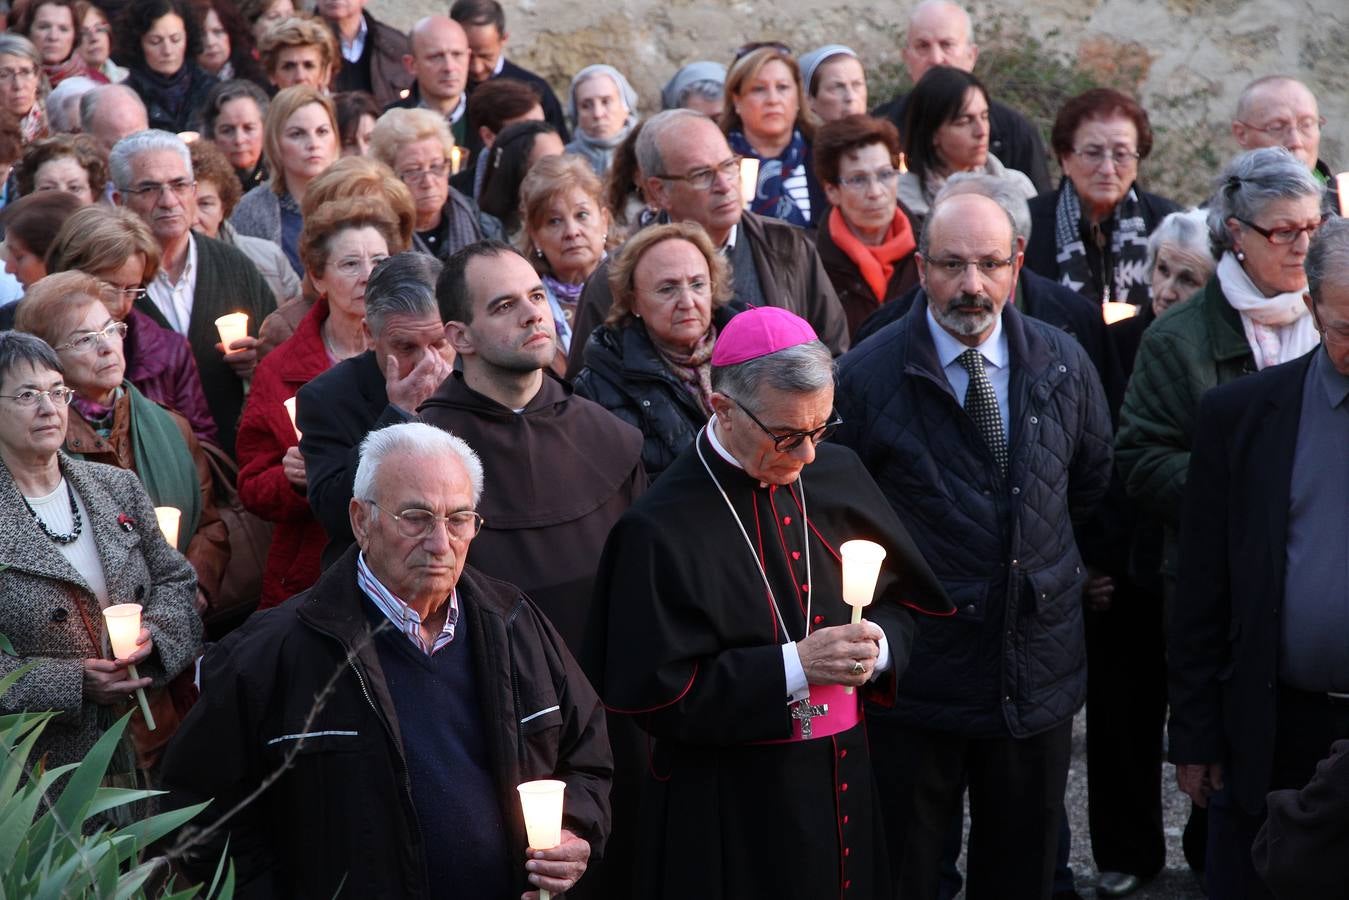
<point x="290" y="410"/>
<point x="1115" y="311"/>
<point x="124" y="626"/>
<point x="232" y="327"/>
<point x="861" y="567"/>
<point x="749" y="180"/>
<point x="1342" y="186"/>
<point x="542" y="805"/>
<point x="903" y="164"/>
<point x="169" y="517"/>
<point x="456" y="159"/>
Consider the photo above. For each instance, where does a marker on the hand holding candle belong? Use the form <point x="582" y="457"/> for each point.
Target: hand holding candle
<point x="861" y="567"/>
<point x="542" y="805"/>
<point x="232" y="327"/>
<point x="124" y="627"/>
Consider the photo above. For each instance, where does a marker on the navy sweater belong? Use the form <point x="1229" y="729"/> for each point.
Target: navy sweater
<point x="441" y="723"/>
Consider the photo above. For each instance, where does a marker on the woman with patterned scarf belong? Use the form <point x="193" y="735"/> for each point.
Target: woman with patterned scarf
<point x="1091" y="233"/>
<point x="650" y="362"/>
<point x="159" y="41"/>
<point x="765" y="118"/>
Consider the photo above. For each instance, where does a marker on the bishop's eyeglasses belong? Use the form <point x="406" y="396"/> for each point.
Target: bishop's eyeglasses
<point x="785" y="443"/>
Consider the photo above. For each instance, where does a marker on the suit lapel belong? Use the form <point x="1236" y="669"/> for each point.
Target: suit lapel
<point x="113" y="542"/>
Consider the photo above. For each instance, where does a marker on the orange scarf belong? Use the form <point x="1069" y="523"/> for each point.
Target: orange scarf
<point x="877" y="264"/>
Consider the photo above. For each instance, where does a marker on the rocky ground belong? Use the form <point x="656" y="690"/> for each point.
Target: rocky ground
<point x="1175" y="882"/>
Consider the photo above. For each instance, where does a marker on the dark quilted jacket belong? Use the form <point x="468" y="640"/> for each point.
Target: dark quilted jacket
<point x="624" y="374"/>
<point x="1193" y="347"/>
<point x="1013" y="658"/>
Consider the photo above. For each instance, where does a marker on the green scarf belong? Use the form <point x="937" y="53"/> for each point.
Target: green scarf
<point x="164" y="462"/>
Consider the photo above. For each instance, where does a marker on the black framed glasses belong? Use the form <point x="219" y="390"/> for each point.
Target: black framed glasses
<point x="416" y="524"/>
<point x="1283" y="235"/>
<point x="785" y="443"/>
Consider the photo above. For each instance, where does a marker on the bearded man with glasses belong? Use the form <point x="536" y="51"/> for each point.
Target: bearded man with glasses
<point x="989" y="433"/>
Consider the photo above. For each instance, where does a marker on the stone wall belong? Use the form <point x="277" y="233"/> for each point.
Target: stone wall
<point x="1187" y="59"/>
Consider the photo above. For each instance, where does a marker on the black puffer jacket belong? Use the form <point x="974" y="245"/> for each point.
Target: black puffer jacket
<point x="624" y="374"/>
<point x="1013" y="657"/>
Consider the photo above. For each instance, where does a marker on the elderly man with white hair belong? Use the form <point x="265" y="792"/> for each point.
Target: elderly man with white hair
<point x="941" y="34"/>
<point x="199" y="278"/>
<point x="442" y="689"/>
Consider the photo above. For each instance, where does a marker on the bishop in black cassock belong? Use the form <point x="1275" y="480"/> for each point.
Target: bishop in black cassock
<point x="751" y="791"/>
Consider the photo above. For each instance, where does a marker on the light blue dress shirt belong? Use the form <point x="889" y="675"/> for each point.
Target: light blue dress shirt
<point x="997" y="364"/>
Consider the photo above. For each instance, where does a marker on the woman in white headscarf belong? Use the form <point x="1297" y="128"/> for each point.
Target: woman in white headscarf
<point x="604" y="107"/>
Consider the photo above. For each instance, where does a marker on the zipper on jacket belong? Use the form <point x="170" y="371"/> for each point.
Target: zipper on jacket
<point x="402" y="763"/>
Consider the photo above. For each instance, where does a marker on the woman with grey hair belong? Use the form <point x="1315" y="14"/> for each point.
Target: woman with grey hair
<point x="1180" y="258"/>
<point x="23" y="86"/>
<point x="1249" y="315"/>
<point x="79" y="537"/>
<point x="604" y="107"/>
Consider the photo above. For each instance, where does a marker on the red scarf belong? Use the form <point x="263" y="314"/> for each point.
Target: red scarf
<point x="877" y="264"/>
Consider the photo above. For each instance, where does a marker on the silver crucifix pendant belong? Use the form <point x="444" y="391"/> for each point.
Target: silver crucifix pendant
<point x="803" y="712"/>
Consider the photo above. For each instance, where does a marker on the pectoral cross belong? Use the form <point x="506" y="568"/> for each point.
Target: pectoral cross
<point x="803" y="712"/>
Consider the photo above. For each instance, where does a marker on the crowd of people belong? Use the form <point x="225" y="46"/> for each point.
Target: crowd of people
<point x="651" y="372"/>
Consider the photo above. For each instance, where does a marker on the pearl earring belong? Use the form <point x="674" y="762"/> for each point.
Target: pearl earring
<point x="1241" y="257"/>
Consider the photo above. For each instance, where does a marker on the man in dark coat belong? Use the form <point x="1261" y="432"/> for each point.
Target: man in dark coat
<point x="720" y="630"/>
<point x="990" y="488"/>
<point x="372" y="52"/>
<point x="691" y="176"/>
<point x="384" y="717"/>
<point x="1258" y="664"/>
<point x="940" y="34"/>
<point x="409" y="358"/>
<point x="485" y="23"/>
<point x="199" y="279"/>
<point x="563" y="469"/>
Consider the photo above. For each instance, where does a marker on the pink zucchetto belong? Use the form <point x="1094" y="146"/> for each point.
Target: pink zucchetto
<point x="759" y="332"/>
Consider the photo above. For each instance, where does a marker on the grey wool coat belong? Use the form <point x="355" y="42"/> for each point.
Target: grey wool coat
<point x="41" y="598"/>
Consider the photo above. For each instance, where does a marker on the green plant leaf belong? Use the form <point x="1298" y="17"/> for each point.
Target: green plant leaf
<point x="147" y="831"/>
<point x="106" y="798"/>
<point x="71" y="807"/>
<point x="5" y="646"/>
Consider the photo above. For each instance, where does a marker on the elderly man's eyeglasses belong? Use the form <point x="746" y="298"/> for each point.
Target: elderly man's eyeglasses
<point x="87" y="341"/>
<point x="1094" y="156"/>
<point x="1281" y="129"/>
<point x="59" y="396"/>
<point x="954" y="267"/>
<point x="785" y="443"/>
<point x="179" y="187"/>
<point x="415" y="524"/>
<point x="862" y="180"/>
<point x="1284" y="235"/>
<point x="702" y="179"/>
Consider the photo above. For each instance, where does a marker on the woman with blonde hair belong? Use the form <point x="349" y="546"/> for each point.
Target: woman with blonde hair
<point x="650" y="362"/>
<point x="115" y="246"/>
<point x="418" y="146"/>
<point x="565" y="230"/>
<point x="299" y="142"/>
<point x="766" y="118"/>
